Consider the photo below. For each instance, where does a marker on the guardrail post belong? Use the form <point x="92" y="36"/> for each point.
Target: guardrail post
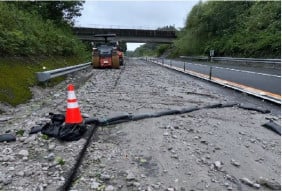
<point x="184" y="66"/>
<point x="163" y="61"/>
<point x="170" y="62"/>
<point x="210" y="72"/>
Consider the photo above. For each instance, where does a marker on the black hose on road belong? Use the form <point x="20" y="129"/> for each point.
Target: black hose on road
<point x="253" y="108"/>
<point x="7" y="137"/>
<point x="273" y="127"/>
<point x="168" y="112"/>
<point x="126" y="118"/>
<point x="106" y="121"/>
<point x="141" y="116"/>
<point x="71" y="175"/>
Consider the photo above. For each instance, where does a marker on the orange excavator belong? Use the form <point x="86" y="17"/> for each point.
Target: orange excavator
<point x="108" y="54"/>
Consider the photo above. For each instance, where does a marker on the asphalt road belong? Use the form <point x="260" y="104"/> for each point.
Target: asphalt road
<point x="204" y="150"/>
<point x="263" y="81"/>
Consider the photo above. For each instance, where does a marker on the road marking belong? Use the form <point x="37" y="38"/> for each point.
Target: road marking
<point x="231" y="69"/>
<point x="265" y="74"/>
<point x="253" y="91"/>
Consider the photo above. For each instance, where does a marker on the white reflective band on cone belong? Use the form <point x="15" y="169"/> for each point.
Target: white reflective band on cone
<point x="71" y="95"/>
<point x="72" y="105"/>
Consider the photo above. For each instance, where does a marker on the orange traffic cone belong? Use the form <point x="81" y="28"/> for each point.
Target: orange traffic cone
<point x="73" y="113"/>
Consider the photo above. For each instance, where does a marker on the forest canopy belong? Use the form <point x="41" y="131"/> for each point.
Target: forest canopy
<point x="232" y="28"/>
<point x="39" y="28"/>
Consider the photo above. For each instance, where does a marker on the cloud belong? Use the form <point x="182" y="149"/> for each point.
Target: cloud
<point x="134" y="14"/>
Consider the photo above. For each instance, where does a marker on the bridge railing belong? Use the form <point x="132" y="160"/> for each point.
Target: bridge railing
<point x="125" y="32"/>
<point x="99" y="26"/>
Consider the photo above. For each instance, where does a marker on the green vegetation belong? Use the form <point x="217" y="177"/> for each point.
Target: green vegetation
<point x="20" y="132"/>
<point x="18" y="74"/>
<point x="60" y="12"/>
<point x="24" y="33"/>
<point x="123" y="46"/>
<point x="101" y="187"/>
<point x="45" y="137"/>
<point x="152" y="49"/>
<point x="232" y="28"/>
<point x="149" y="49"/>
<point x="35" y="35"/>
<point x="60" y="160"/>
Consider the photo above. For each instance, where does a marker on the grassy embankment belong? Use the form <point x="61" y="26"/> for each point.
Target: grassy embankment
<point x="18" y="74"/>
<point x="27" y="43"/>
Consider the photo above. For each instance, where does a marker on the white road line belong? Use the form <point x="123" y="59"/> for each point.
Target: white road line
<point x="231" y="69"/>
<point x="265" y="74"/>
<point x="260" y="95"/>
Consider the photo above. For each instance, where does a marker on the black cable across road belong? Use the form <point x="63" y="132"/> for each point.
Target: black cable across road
<point x="126" y="118"/>
<point x="71" y="175"/>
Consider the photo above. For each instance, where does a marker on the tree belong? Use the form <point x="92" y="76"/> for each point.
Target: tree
<point x="123" y="46"/>
<point x="60" y="12"/>
<point x="232" y="28"/>
<point x="167" y="28"/>
<point x="26" y="33"/>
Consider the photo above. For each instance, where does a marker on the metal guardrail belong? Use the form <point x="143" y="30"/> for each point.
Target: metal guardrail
<point x="251" y="60"/>
<point x="46" y="75"/>
<point x="195" y="57"/>
<point x="247" y="60"/>
<point x="209" y="78"/>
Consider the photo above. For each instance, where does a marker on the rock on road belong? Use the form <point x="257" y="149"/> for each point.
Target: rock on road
<point x="209" y="149"/>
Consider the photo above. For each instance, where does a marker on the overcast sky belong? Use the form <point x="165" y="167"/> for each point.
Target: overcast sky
<point x="134" y="14"/>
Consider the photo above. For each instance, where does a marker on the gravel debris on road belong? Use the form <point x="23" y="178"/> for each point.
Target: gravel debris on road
<point x="208" y="149"/>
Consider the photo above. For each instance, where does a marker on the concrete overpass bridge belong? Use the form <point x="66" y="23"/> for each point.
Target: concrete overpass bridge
<point x="127" y="35"/>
